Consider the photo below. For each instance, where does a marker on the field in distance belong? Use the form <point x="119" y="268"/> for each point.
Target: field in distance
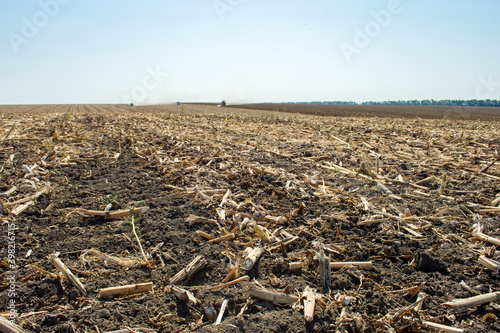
<point x="391" y="111"/>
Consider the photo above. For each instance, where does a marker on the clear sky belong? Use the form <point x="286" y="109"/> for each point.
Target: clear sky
<point x="155" y="51"/>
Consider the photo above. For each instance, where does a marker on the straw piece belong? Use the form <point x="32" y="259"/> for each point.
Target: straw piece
<point x="359" y="264"/>
<point x="277" y="298"/>
<point x="187" y="272"/>
<point x="442" y="327"/>
<point x="114" y="214"/>
<point x="63" y="269"/>
<point x="309" y="304"/>
<point x="132" y="289"/>
<point x="465" y="303"/>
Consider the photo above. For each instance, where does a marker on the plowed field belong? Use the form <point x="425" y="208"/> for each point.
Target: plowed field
<point x="130" y="196"/>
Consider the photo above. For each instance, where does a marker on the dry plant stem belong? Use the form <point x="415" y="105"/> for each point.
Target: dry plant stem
<point x="419" y="187"/>
<point x="274" y="219"/>
<point x="221" y="312"/>
<point x="114" y="214"/>
<point x="183" y="294"/>
<point x="489" y="176"/>
<point x="441" y="327"/>
<point x="404" y="310"/>
<point x="412" y="232"/>
<point x="333" y="167"/>
<point x="204" y="235"/>
<point x="187" y="272"/>
<point x="261" y="233"/>
<point x="201" y="194"/>
<point x="233" y="274"/>
<point x="406" y="289"/>
<point x="277" y="298"/>
<point x="489" y="210"/>
<point x="309" y="304"/>
<point x="490" y="263"/>
<point x="244" y="308"/>
<point x="368" y="222"/>
<point x="63" y="269"/>
<point x="10" y="130"/>
<point x="425" y="180"/>
<point x="421" y="295"/>
<point x="486" y="238"/>
<point x="6" y="326"/>
<point x="21" y="208"/>
<point x="294" y="265"/>
<point x="227" y="284"/>
<point x="127" y="290"/>
<point x="52" y="275"/>
<point x="465" y="303"/>
<point x="325" y="271"/>
<point x="133" y="329"/>
<point x="29" y="314"/>
<point x="192" y="219"/>
<point x="468" y="288"/>
<point x="31" y="197"/>
<point x="359" y="264"/>
<point x="9" y="191"/>
<point x="138" y="240"/>
<point x="443" y="184"/>
<point x="276" y="245"/>
<point x="341" y="141"/>
<point x="129" y="263"/>
<point x="252" y="258"/>
<point x="224" y="238"/>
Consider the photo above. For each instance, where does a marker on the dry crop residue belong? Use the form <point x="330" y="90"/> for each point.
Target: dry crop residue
<point x="276" y="202"/>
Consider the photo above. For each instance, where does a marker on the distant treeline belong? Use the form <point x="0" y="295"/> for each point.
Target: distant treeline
<point x="442" y="102"/>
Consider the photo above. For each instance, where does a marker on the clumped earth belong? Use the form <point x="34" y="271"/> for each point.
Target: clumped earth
<point x="405" y="194"/>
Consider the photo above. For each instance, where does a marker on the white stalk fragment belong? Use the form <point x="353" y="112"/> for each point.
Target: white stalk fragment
<point x="465" y="303"/>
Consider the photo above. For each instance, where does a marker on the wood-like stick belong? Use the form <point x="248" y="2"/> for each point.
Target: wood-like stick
<point x="187" y="272"/>
<point x="325" y="270"/>
<point x="486" y="238"/>
<point x="490" y="263"/>
<point x="63" y="269"/>
<point x="127" y="290"/>
<point x="277" y="298"/>
<point x="359" y="264"/>
<point x="183" y="294"/>
<point x="465" y="303"/>
<point x="35" y="196"/>
<point x="252" y="258"/>
<point x="114" y="214"/>
<point x="224" y="238"/>
<point x="442" y="327"/>
<point x="127" y="330"/>
<point x="309" y="304"/>
<point x="138" y="240"/>
<point x="221" y="312"/>
<point x="227" y="284"/>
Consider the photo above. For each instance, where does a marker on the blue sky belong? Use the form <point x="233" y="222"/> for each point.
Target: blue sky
<point x="88" y="51"/>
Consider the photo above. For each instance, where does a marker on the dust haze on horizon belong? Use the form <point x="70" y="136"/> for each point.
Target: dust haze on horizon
<point x="247" y="51"/>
